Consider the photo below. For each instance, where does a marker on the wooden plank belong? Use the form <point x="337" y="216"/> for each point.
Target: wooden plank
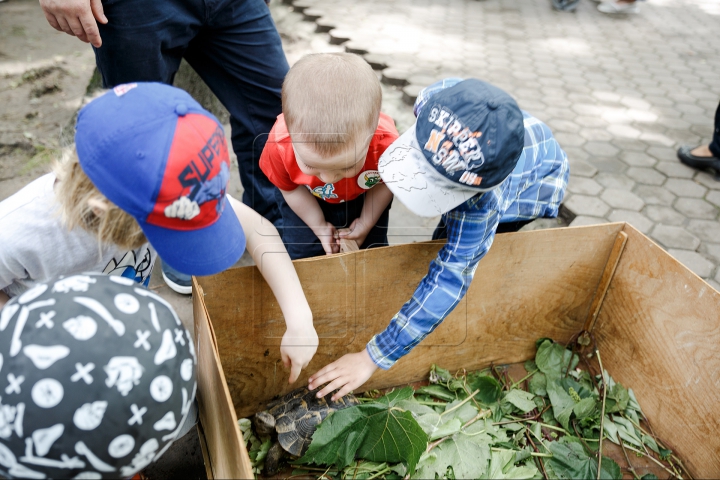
<point x="347" y="245"/>
<point x="226" y="453"/>
<point x="659" y="332"/>
<point x="530" y="285"/>
<point x="205" y="451"/>
<point x="605" y="279"/>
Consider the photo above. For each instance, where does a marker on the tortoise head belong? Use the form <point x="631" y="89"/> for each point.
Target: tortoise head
<point x="264" y="424"/>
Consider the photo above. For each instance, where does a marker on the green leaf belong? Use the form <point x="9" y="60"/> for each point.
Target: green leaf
<point x="521" y="399"/>
<point x="611" y="430"/>
<point x="651" y="443"/>
<point x="617" y="399"/>
<point x="490" y="389"/>
<point x="649" y="476"/>
<point x="380" y="432"/>
<point x="467" y="455"/>
<point x="552" y="359"/>
<point x="538" y="384"/>
<point x="502" y="466"/>
<point x="562" y="403"/>
<point x="437" y="391"/>
<point x="439" y="375"/>
<point x="570" y="461"/>
<point x="585" y="408"/>
<point x="446" y="429"/>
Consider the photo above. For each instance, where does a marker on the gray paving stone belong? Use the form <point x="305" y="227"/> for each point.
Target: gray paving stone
<point x="581" y="168"/>
<point x="621" y="198"/>
<point x="713" y="197"/>
<point x="611" y="180"/>
<point x="654" y="195"/>
<point x="700" y="265"/>
<point x="583" y="220"/>
<point x="560" y="125"/>
<point x="707" y="180"/>
<point x="676" y="169"/>
<point x="674" y="237"/>
<point x="710" y="250"/>
<point x="713" y="284"/>
<point x="601" y="149"/>
<point x="597" y="134"/>
<point x="717" y="276"/>
<point x="569" y="139"/>
<point x="609" y="165"/>
<point x="636" y="219"/>
<point x="585" y="186"/>
<point x="647" y="176"/>
<point x="707" y="230"/>
<point x="586" y="205"/>
<point x="696" y="208"/>
<point x="663" y="154"/>
<point x="637" y="159"/>
<point x="685" y="188"/>
<point x="624" y="131"/>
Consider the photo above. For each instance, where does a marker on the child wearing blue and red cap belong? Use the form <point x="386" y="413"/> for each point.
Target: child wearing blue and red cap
<point x="151" y="166"/>
<point x="483" y="164"/>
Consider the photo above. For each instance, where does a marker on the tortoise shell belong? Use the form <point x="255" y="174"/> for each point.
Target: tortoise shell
<point x="298" y="414"/>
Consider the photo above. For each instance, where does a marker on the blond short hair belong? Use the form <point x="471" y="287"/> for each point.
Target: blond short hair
<point x="331" y="100"/>
<point x="76" y="194"/>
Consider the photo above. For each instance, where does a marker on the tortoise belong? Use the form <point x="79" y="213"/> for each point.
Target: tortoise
<point x="293" y="418"/>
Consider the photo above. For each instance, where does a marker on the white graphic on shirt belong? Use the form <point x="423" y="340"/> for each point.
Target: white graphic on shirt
<point x="167" y="422"/>
<point x="45" y="437"/>
<point x="76" y="283"/>
<point x="161" y="388"/>
<point x="8" y="460"/>
<point x="154" y="317"/>
<point x="368" y="179"/>
<point x="47" y="393"/>
<point x="142" y="336"/>
<point x="98" y="464"/>
<point x="102" y="312"/>
<point x="179" y="337"/>
<point x="90" y="415"/>
<point x="121" y="446"/>
<point x="14" y="383"/>
<point x="81" y="327"/>
<point x="137" y="414"/>
<point x="44" y="357"/>
<point x="167" y="348"/>
<point x="46" y="320"/>
<point x="32" y="294"/>
<point x="142" y="459"/>
<point x="135" y="265"/>
<point x="83" y="372"/>
<point x="126" y="303"/>
<point x="186" y="369"/>
<point x="88" y="476"/>
<point x="123" y="373"/>
<point x="11" y="420"/>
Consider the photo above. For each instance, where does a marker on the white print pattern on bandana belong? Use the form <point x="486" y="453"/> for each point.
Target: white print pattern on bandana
<point x="89" y="415"/>
<point x="123" y="373"/>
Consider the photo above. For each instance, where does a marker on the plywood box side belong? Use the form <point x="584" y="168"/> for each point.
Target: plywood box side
<point x="530" y="285"/>
<point x="658" y="332"/>
<point x="225" y="455"/>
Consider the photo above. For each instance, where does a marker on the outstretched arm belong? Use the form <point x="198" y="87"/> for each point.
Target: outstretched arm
<point x="449" y="276"/>
<point x="265" y="246"/>
<point x="76" y="17"/>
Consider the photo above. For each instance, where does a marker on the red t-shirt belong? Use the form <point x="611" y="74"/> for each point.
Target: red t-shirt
<point x="278" y="163"/>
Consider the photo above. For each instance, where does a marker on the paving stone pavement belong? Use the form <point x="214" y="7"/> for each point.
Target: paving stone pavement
<point x="621" y="93"/>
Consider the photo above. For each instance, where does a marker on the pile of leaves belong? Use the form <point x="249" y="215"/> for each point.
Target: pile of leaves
<point x="485" y="425"/>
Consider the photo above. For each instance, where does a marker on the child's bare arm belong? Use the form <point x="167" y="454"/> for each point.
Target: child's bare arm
<point x="305" y="206"/>
<point x="376" y="201"/>
<point x="3" y="299"/>
<point x="265" y="246"/>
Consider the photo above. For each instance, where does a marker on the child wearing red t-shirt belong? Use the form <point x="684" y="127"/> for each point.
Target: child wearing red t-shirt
<point x="322" y="154"/>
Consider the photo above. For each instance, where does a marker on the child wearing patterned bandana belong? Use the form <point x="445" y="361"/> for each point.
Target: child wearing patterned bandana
<point x="483" y="164"/>
<point x="322" y="154"/>
<point x="151" y="166"/>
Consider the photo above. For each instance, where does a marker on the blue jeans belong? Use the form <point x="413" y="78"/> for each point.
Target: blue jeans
<point x="301" y="242"/>
<point x="715" y="142"/>
<point x="232" y="44"/>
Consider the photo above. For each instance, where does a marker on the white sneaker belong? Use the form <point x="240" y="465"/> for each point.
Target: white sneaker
<point x="615" y="7"/>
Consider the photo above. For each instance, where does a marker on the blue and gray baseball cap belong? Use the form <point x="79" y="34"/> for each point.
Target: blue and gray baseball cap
<point x="467" y="139"/>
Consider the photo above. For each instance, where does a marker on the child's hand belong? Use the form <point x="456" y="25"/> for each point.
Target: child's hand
<point x="328" y="237"/>
<point x="358" y="232"/>
<point x="297" y="349"/>
<point x="344" y="375"/>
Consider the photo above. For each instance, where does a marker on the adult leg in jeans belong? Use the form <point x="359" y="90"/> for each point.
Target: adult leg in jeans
<point x="704" y="156"/>
<point x="238" y="53"/>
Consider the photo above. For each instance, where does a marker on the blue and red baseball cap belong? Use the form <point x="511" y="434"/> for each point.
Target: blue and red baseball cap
<point x="467" y="139"/>
<point x="153" y="151"/>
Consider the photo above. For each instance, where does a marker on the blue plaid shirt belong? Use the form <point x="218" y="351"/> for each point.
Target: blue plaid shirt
<point x="534" y="189"/>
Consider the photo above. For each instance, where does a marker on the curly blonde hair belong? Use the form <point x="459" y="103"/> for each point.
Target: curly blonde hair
<point x="84" y="206"/>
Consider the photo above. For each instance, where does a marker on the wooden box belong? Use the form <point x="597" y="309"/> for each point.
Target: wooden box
<point x="657" y="325"/>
